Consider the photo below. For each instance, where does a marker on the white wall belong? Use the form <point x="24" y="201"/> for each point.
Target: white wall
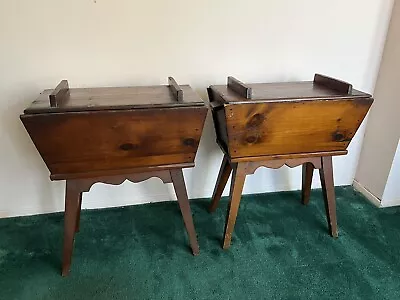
<point x="383" y="129"/>
<point x="112" y="43"/>
<point x="391" y="194"/>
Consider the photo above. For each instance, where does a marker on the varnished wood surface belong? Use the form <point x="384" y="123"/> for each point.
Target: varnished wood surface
<point x="222" y="179"/>
<point x="239" y="87"/>
<point x="112" y="134"/>
<point x="252" y="166"/>
<point x="287" y="118"/>
<point x="120" y="172"/>
<point x="78" y="217"/>
<point x="235" y="194"/>
<point x="85" y="184"/>
<point x="115" y="98"/>
<point x="288" y="156"/>
<point x="307" y="175"/>
<point x="328" y="191"/>
<point x="220" y="128"/>
<point x="175" y="89"/>
<point x="183" y="201"/>
<point x="292" y="127"/>
<point x="72" y="207"/>
<point x="73" y="143"/>
<point x="285" y="91"/>
<point x="60" y="94"/>
<point x="333" y="84"/>
<point x="298" y="123"/>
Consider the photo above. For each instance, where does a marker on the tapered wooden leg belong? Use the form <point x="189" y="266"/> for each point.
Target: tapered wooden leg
<point x="78" y="216"/>
<point x="223" y="176"/>
<point x="308" y="170"/>
<point x="181" y="194"/>
<point x="71" y="211"/>
<point x="238" y="178"/>
<point x="326" y="175"/>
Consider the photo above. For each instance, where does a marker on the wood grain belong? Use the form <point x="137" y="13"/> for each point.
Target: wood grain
<point x="115" y="98"/>
<point x="293" y="127"/>
<point x="110" y="140"/>
<point x="292" y="124"/>
<point x="110" y="135"/>
<point x="284" y="91"/>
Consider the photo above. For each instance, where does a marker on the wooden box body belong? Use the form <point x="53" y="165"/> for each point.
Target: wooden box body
<point x="99" y="131"/>
<point x="287" y="118"/>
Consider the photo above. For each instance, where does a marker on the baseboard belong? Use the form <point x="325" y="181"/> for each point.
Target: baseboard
<point x="32" y="211"/>
<point x="367" y="194"/>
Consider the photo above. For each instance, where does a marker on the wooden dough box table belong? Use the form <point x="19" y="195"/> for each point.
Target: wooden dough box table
<point x="108" y="135"/>
<point x="276" y="124"/>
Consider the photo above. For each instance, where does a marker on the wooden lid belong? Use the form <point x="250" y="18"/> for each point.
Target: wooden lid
<point x="64" y="99"/>
<point x="323" y="87"/>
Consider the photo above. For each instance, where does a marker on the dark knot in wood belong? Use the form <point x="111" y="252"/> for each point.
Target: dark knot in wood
<point x="338" y="136"/>
<point x="251" y="139"/>
<point x="255" y="121"/>
<point x="189" y="142"/>
<point x="127" y="146"/>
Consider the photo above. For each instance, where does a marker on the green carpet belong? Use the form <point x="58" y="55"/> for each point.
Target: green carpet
<point x="280" y="250"/>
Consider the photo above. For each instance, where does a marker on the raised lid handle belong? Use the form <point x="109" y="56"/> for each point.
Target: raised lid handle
<point x="240" y="88"/>
<point x="175" y="89"/>
<point x="333" y="83"/>
<point x="60" y="94"/>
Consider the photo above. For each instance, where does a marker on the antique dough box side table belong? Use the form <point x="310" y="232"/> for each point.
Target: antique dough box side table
<point x="273" y="124"/>
<point x="89" y="135"/>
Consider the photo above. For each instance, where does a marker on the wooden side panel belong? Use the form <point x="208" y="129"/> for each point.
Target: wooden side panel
<point x="109" y="140"/>
<point x="293" y="127"/>
<point x="218" y="113"/>
<point x="220" y="127"/>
